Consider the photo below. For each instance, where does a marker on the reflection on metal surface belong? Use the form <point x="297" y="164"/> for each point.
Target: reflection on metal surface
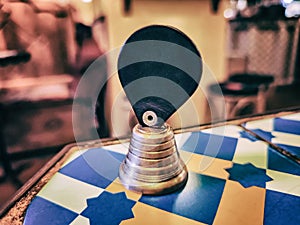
<point x="150" y="118"/>
<point x="153" y="164"/>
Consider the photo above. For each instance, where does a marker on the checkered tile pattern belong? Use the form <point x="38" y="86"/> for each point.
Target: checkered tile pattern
<point x="234" y="178"/>
<point x="283" y="131"/>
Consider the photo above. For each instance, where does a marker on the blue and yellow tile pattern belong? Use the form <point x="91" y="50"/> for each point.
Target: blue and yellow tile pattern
<point x="234" y="178"/>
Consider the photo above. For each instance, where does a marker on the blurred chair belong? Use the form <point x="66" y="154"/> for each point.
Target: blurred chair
<point x="244" y="94"/>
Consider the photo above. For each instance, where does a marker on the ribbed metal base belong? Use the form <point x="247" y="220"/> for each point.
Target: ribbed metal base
<point x="153" y="164"/>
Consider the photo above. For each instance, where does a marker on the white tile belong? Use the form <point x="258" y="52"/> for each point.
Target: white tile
<point x="73" y="156"/>
<point x="228" y="131"/>
<point x="253" y="152"/>
<point x="295" y="116"/>
<point x="284" y="182"/>
<point x="286" y="139"/>
<point x="68" y="192"/>
<point x="182" y="138"/>
<point x="80" y="220"/>
<point x="266" y="124"/>
<point x="119" y="148"/>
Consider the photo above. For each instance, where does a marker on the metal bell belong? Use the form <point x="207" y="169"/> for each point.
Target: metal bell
<point x="153" y="164"/>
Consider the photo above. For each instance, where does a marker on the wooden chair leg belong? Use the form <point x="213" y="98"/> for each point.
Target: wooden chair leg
<point x="9" y="172"/>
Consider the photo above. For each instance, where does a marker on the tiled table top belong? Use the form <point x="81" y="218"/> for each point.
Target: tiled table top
<point x="234" y="178"/>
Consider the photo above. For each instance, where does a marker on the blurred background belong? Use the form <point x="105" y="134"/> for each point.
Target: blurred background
<point x="250" y="47"/>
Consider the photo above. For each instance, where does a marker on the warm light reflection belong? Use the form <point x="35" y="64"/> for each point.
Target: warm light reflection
<point x="287" y="1"/>
<point x="293" y="10"/>
<point x="229" y="13"/>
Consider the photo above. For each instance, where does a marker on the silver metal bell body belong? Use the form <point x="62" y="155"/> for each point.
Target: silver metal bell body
<point x="153" y="165"/>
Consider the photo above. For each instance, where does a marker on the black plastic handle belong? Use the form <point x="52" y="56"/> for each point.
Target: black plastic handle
<point x="159" y="68"/>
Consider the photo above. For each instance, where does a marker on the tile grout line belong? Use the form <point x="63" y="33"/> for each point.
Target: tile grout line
<point x="274" y="146"/>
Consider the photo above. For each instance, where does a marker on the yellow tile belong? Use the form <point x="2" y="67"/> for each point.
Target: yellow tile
<point x="185" y="156"/>
<point x="241" y="205"/>
<point x="116" y="187"/>
<point x="209" y="166"/>
<point x="148" y="215"/>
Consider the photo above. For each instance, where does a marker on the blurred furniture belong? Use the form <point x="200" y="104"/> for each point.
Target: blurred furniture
<point x="264" y="42"/>
<point x="36" y="93"/>
<point x="263" y="38"/>
<point x="6" y="163"/>
<point x="37" y="51"/>
<point x="36" y="118"/>
<point x="233" y="100"/>
<point x="242" y="94"/>
<point x="6" y="58"/>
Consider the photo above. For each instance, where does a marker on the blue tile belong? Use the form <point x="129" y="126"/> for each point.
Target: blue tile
<point x="108" y="209"/>
<point x="247" y="135"/>
<point x="294" y="150"/>
<point x="248" y="175"/>
<point x="211" y="145"/>
<point x="96" y="166"/>
<point x="281" y="163"/>
<point x="281" y="208"/>
<point x="287" y="126"/>
<point x="199" y="200"/>
<point x="263" y="134"/>
<point x="44" y="212"/>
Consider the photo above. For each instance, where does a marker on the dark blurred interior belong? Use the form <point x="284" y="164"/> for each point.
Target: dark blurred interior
<point x="47" y="46"/>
